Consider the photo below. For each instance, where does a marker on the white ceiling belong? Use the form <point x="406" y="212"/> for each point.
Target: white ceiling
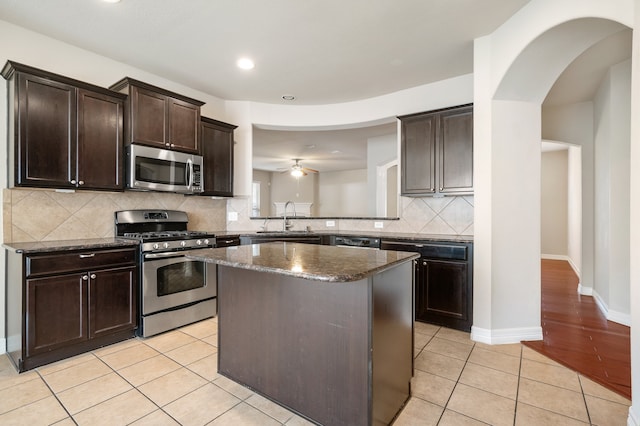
<point x="320" y="51"/>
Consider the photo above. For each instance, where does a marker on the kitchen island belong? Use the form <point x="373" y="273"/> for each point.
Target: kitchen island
<point x="324" y="331"/>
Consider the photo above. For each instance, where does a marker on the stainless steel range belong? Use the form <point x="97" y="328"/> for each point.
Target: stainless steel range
<point x="174" y="290"/>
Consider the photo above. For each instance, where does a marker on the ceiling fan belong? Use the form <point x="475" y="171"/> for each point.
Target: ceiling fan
<point x="298" y="171"/>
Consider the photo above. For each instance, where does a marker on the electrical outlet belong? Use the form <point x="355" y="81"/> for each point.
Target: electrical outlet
<point x="331" y="223"/>
<point x="378" y="225"/>
<point x="232" y="216"/>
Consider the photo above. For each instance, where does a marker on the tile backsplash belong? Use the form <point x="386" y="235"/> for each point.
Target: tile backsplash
<point x="426" y="215"/>
<point x="46" y="215"/>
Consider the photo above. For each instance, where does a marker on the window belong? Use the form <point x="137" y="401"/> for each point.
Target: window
<point x="255" y="199"/>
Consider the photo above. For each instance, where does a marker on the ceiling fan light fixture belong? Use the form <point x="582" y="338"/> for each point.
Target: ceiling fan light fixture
<point x="297" y="172"/>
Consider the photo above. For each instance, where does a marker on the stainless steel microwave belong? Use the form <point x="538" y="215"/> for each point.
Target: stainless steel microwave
<point x="155" y="169"/>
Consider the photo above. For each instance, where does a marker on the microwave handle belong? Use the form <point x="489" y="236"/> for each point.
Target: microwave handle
<point x="189" y="172"/>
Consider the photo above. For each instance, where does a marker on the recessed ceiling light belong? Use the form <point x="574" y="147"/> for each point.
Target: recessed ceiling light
<point x="245" y="63"/>
<point x="111" y="1"/>
<point x="288" y="97"/>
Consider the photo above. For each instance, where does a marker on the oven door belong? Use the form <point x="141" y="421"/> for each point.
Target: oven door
<point x="170" y="280"/>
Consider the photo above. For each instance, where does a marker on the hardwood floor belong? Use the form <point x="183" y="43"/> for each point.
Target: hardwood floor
<point x="577" y="335"/>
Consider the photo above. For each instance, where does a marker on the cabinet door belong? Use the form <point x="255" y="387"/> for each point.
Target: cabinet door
<point x="148" y="117"/>
<point x="45" y="152"/>
<point x="100" y="143"/>
<point x="418" y="154"/>
<point x="184" y="123"/>
<point x="56" y="313"/>
<point x="456" y="150"/>
<point x="445" y="296"/>
<point x="217" y="151"/>
<point x="112" y="301"/>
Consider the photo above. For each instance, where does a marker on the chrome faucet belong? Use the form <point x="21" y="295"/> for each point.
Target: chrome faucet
<point x="286" y="224"/>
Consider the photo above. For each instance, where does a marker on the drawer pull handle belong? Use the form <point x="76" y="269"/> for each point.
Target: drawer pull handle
<point x="84" y="256"/>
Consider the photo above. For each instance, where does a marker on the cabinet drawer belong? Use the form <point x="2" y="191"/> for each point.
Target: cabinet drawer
<point x="429" y="250"/>
<point x="39" y="265"/>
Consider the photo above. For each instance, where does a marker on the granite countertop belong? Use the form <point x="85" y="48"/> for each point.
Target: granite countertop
<point x="84" y="244"/>
<point x="308" y="261"/>
<point x="371" y="234"/>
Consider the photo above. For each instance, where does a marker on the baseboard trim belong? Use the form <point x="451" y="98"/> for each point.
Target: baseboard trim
<point x="585" y="291"/>
<point x="555" y="257"/>
<point x="3" y="346"/>
<point x="610" y="314"/>
<point x="633" y="420"/>
<point x="506" y="335"/>
<point x="602" y="305"/>
<point x="619" y="317"/>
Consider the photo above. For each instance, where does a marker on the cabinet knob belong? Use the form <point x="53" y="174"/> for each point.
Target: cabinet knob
<point x="80" y="182"/>
<point x="441" y="189"/>
<point x="73" y="181"/>
<point x="93" y="276"/>
<point x="172" y="145"/>
<point x="167" y="144"/>
<point x="424" y="263"/>
<point x="85" y="277"/>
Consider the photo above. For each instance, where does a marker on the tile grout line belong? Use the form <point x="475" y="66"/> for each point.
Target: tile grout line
<point x="515" y="407"/>
<point x="55" y="395"/>
<point x="444" y="409"/>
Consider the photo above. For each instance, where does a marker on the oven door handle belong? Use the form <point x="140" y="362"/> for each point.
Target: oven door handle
<point x="162" y="255"/>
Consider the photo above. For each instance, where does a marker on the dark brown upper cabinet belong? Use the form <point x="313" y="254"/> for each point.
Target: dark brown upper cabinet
<point x="217" y="152"/>
<point x="437" y="152"/>
<point x="160" y="118"/>
<point x="63" y="133"/>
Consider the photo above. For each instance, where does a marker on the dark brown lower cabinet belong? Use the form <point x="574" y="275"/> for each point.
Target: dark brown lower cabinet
<point x="443" y="281"/>
<point x="63" y="304"/>
<point x="443" y="295"/>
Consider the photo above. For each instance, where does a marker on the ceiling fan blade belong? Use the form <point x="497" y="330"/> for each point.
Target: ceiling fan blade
<point x="306" y="169"/>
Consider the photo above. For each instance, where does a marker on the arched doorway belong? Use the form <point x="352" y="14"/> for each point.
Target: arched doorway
<point x="507" y="135"/>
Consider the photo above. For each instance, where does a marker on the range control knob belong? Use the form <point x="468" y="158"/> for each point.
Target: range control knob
<point x="199" y="242"/>
<point x="206" y="241"/>
<point x="165" y="245"/>
<point x="183" y="243"/>
<point x="156" y="246"/>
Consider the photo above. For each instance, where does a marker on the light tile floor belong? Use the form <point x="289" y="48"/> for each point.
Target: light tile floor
<point x="172" y="379"/>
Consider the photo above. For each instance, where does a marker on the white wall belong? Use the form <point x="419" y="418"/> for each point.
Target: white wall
<point x="634" y="234"/>
<point x="612" y="127"/>
<point x="343" y="193"/>
<point x="554" y="203"/>
<point x="380" y="150"/>
<point x="574" y="124"/>
<point x="574" y="209"/>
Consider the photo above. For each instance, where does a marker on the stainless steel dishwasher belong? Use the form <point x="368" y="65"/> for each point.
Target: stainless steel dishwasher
<point x="360" y="242"/>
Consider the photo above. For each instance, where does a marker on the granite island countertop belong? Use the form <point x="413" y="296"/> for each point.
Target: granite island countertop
<point x="308" y="261"/>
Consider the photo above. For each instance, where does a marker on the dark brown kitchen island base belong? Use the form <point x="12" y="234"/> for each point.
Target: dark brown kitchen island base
<point x="337" y="353"/>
